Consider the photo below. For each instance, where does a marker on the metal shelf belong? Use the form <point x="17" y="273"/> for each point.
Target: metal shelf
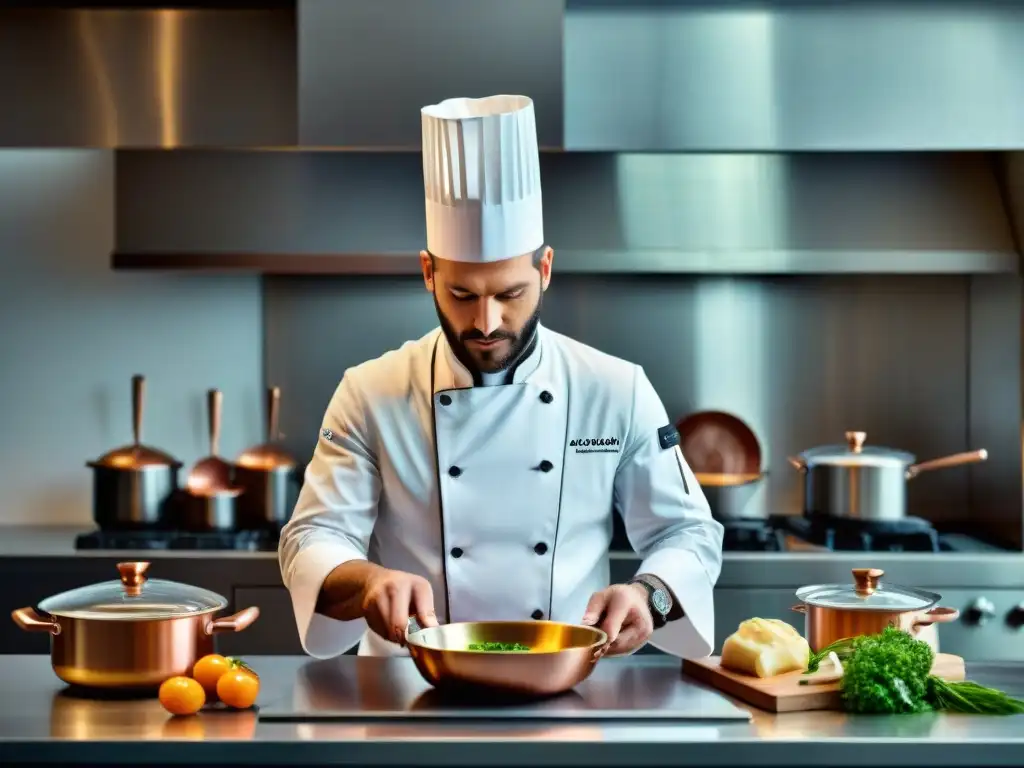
<point x="645" y="262"/>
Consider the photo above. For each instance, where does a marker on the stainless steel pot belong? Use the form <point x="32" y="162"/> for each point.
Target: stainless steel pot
<point x="864" y="483"/>
<point x="210" y="510"/>
<point x="838" y="611"/>
<point x="133" y="486"/>
<point x="266" y="474"/>
<point x="132" y="632"/>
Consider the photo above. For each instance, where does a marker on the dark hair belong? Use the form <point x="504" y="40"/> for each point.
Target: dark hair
<point x="537" y="256"/>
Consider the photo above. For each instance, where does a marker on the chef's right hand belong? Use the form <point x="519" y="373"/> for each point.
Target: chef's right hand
<point x="391" y="597"/>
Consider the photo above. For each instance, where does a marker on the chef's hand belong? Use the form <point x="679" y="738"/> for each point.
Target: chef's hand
<point x="391" y="597"/>
<point x="622" y="612"/>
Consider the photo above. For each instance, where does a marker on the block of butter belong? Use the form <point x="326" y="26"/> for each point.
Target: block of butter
<point x="765" y="648"/>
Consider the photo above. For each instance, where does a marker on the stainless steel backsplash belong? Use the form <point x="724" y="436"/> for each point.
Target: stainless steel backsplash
<point x="800" y="359"/>
<point x="923" y="361"/>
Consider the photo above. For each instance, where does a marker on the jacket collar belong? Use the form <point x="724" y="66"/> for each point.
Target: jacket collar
<point x="449" y="373"/>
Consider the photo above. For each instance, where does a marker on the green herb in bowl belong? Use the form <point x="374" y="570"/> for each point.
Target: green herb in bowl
<point x="498" y="647"/>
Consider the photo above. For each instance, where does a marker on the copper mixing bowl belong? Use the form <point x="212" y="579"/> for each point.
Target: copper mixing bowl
<point x="561" y="656"/>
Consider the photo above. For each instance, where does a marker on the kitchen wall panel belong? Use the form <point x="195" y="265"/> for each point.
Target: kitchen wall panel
<point x="801" y="359"/>
<point x="72" y="333"/>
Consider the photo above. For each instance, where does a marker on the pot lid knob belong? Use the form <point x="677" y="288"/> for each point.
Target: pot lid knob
<point x="866" y="580"/>
<point x="856" y="441"/>
<point x="133" y="576"/>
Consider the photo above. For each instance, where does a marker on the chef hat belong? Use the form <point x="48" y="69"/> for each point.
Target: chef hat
<point x="481" y="176"/>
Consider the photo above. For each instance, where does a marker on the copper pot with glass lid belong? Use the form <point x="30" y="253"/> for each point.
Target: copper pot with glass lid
<point x="134" y="486"/>
<point x="132" y="632"/>
<point x="865" y="482"/>
<point x="838" y="611"/>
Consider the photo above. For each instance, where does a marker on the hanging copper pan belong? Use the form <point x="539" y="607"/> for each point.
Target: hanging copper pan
<point x="721" y="449"/>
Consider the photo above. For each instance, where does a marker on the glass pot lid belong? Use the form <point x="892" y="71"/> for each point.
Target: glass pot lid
<point x="856" y="454"/>
<point x="867" y="593"/>
<point x="133" y="597"/>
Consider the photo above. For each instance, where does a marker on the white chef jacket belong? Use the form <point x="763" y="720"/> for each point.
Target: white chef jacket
<point x="500" y="496"/>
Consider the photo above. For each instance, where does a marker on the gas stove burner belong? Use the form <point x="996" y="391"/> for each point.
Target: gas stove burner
<point x="909" y="534"/>
<point x="751" y="535"/>
<point x="237" y="541"/>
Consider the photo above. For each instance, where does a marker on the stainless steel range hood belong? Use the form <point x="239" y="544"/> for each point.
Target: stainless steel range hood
<point x="607" y="75"/>
<point x="107" y="77"/>
<point x="1010" y="173"/>
<point x="344" y="212"/>
<point x="793" y="76"/>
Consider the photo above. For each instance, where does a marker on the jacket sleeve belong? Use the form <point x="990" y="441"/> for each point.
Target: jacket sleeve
<point x="669" y="524"/>
<point x="332" y="521"/>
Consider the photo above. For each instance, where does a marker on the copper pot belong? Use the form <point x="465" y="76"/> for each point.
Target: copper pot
<point x="836" y="611"/>
<point x="133" y="486"/>
<point x="130" y="633"/>
<point x="266" y="473"/>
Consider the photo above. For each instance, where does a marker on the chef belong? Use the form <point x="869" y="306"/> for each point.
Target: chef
<point x="471" y="474"/>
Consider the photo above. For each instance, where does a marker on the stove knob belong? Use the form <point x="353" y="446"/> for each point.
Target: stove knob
<point x="1015" y="618"/>
<point x="980" y="611"/>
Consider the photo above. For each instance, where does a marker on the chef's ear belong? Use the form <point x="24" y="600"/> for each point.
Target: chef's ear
<point x="427" y="266"/>
<point x="544" y="265"/>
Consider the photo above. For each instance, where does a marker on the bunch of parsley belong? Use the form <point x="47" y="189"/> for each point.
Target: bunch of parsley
<point x="890" y="673"/>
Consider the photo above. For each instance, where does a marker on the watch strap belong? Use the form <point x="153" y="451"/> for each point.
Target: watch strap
<point x="659" y="617"/>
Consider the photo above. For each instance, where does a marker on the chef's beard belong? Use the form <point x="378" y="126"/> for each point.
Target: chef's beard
<point x="487" y="361"/>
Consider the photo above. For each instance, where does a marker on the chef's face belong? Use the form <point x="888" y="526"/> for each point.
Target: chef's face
<point x="488" y="311"/>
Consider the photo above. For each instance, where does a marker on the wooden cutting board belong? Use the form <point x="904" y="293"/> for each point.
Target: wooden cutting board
<point x="784" y="692"/>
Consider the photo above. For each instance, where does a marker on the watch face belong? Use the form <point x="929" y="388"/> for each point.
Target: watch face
<point x="659" y="598"/>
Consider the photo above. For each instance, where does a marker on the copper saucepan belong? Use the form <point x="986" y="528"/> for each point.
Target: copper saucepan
<point x="721" y="449"/>
<point x="836" y="611"/>
<point x="725" y="456"/>
<point x="130" y="633"/>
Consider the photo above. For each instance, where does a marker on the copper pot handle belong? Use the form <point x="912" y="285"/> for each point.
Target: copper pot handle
<point x="273" y="413"/>
<point x="214" y="406"/>
<point x="798" y="464"/>
<point x="30" y="620"/>
<point x="937" y="615"/>
<point x="234" y="623"/>
<point x="970" y="457"/>
<point x="802" y="608"/>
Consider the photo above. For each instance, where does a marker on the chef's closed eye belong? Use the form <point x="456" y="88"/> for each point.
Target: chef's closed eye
<point x="506" y="296"/>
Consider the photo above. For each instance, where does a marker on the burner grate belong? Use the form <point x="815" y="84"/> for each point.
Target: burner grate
<point x="910" y="534"/>
<point x="241" y="541"/>
<point x="752" y="535"/>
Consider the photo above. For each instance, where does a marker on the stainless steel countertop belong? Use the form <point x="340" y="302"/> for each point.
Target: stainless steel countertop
<point x="38" y="723"/>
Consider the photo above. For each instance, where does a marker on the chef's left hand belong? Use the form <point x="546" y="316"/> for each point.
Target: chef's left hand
<point x="623" y="614"/>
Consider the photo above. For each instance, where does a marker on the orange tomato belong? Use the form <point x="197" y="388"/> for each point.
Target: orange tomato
<point x="182" y="696"/>
<point x="208" y="670"/>
<point x="238" y="688"/>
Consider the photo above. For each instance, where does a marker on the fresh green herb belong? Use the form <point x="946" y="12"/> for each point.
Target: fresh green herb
<point x="890" y="673"/>
<point x="887" y="673"/>
<point x="498" y="647"/>
<point x="971" y="698"/>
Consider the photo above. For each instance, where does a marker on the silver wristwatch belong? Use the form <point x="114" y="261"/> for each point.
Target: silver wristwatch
<point x="658" y="600"/>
